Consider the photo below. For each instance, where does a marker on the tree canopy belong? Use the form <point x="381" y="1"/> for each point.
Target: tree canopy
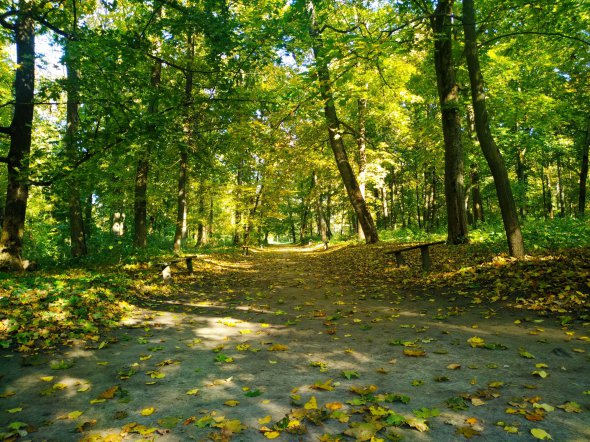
<point x="181" y="123"/>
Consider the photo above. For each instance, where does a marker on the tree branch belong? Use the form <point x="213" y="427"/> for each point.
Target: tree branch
<point x="544" y="34"/>
<point x="177" y="66"/>
<point x="55" y="29"/>
<point x="6" y="130"/>
<point x="5" y="24"/>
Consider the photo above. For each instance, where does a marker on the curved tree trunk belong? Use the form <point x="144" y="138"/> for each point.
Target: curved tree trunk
<point x="336" y="143"/>
<point x="448" y="96"/>
<point x="486" y="140"/>
<point x="17" y="192"/>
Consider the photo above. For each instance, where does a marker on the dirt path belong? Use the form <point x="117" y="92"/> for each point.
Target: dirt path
<point x="254" y="343"/>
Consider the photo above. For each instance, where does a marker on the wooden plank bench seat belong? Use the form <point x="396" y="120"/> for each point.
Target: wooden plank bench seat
<point x="166" y="266"/>
<point x="424" y="253"/>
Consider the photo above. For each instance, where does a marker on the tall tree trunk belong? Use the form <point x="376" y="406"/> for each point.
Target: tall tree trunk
<point x="77" y="233"/>
<point x="143" y="161"/>
<point x="323" y="231"/>
<point x="476" y="195"/>
<point x="560" y="195"/>
<point x="584" y="171"/>
<point x="362" y="152"/>
<point x="201" y="225"/>
<point x="181" y="205"/>
<point x="486" y="140"/>
<point x="544" y="189"/>
<point x="448" y="96"/>
<point x="238" y="202"/>
<point x="521" y="176"/>
<point x="336" y="143"/>
<point x="17" y="191"/>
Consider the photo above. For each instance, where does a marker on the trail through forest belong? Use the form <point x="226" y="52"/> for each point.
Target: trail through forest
<point x="282" y="344"/>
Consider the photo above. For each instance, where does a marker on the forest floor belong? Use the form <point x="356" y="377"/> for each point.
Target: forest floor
<point x="296" y="344"/>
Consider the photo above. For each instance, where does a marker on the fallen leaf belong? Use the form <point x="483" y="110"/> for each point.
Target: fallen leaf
<point x="525" y="354"/>
<point x="570" y="407"/>
<point x="264" y="420"/>
<point x="278" y="347"/>
<point x="454" y="366"/>
<point x="333" y="406"/>
<point x="312" y="404"/>
<point x="147" y="411"/>
<point x="231" y="403"/>
<point x="327" y="385"/>
<point x="540" y="434"/>
<point x="415" y="353"/>
<point x="363" y="390"/>
<point x="476" y="342"/>
<point x="467" y="432"/>
<point x="193" y="392"/>
<point x="109" y="393"/>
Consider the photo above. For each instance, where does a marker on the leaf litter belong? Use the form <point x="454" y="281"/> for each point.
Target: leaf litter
<point x="346" y="327"/>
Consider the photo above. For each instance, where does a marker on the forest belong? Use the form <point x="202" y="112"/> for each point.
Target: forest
<point x="129" y="126"/>
<point x="214" y="214"/>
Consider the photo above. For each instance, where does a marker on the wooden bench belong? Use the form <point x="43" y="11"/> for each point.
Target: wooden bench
<point x="166" y="266"/>
<point x="424" y="253"/>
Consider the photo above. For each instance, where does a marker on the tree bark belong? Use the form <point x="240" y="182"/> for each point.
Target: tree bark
<point x="17" y="191"/>
<point x="181" y="205"/>
<point x="559" y="190"/>
<point x="584" y="172"/>
<point x="336" y="143"/>
<point x="476" y="200"/>
<point x="362" y="153"/>
<point x="143" y="161"/>
<point x="486" y="140"/>
<point x="77" y="232"/>
<point x="457" y="232"/>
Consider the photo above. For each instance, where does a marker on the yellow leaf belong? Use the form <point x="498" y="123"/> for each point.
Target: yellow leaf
<point x="272" y="434"/>
<point x="476" y="342"/>
<point x="278" y="347"/>
<point x="193" y="392"/>
<point x="75" y="414"/>
<point x="47" y="378"/>
<point x="540" y="434"/>
<point x="97" y="401"/>
<point x="14" y="410"/>
<point x="364" y="390"/>
<point x="231" y="403"/>
<point x="454" y="366"/>
<point x="264" y="420"/>
<point x="312" y="404"/>
<point x="83" y="388"/>
<point x="147" y="411"/>
<point x="416" y="353"/>
<point x="333" y="406"/>
<point x="477" y="402"/>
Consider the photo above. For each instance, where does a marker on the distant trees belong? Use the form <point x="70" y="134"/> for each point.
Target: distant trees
<point x="314" y="120"/>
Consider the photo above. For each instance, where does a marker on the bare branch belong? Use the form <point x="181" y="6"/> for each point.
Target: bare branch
<point x="4" y="23"/>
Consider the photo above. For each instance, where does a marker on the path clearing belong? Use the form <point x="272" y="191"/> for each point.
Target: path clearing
<point x="254" y="339"/>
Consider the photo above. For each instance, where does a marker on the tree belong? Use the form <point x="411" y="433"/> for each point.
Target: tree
<point x="448" y="92"/>
<point x="334" y="132"/>
<point x="486" y="140"/>
<point x="19" y="131"/>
